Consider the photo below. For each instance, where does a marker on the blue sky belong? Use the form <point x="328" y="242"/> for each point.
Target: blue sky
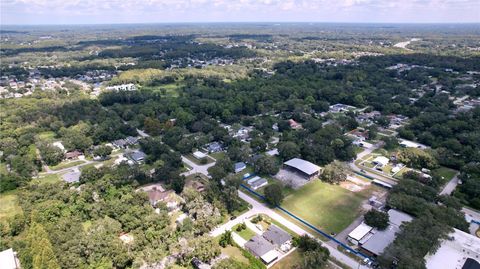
<point x="148" y="11"/>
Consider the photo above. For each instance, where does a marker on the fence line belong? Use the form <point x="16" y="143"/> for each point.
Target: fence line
<point x="361" y="255"/>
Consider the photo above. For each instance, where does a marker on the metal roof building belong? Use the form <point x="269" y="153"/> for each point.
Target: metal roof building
<point x="459" y="250"/>
<point x="380" y="240"/>
<point x="303" y="166"/>
<point x="360" y="232"/>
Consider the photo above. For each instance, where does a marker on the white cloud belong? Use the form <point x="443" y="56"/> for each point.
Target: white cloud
<point x="14" y="11"/>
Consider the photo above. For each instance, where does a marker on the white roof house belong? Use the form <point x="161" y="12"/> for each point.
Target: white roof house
<point x="381" y="160"/>
<point x="303" y="166"/>
<point x="359" y="233"/>
<point x="8" y="259"/>
<point x="199" y="155"/>
<point x="410" y="144"/>
<point x="272" y="152"/>
<point x="460" y="250"/>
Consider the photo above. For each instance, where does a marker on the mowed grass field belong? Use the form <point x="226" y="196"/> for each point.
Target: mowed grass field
<point x="328" y="207"/>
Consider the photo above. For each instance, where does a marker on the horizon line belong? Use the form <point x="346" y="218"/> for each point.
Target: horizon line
<point x="233" y="22"/>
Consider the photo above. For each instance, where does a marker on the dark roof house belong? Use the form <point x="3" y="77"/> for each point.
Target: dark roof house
<point x="276" y="236"/>
<point x="136" y="156"/>
<point x="262" y="249"/>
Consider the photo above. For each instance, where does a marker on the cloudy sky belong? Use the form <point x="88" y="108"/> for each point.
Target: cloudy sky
<point x="146" y="11"/>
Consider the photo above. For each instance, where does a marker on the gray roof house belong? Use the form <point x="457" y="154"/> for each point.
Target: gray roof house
<point x="238" y="167"/>
<point x="131" y="140"/>
<point x="136" y="156"/>
<point x="214" y="147"/>
<point x="120" y="143"/>
<point x="258" y="183"/>
<point x="276" y="236"/>
<point x="262" y="249"/>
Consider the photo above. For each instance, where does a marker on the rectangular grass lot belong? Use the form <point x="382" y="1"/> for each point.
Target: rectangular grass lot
<point x="328" y="207"/>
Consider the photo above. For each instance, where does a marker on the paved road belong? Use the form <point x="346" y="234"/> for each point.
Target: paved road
<point x="473" y="214"/>
<point x="259" y="208"/>
<point x="203" y="169"/>
<point x="50" y="171"/>
<point x="450" y="186"/>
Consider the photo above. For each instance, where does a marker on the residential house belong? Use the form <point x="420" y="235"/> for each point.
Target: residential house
<point x="294" y="125"/>
<point x="120" y="143"/>
<point x="136" y="156"/>
<point x="262" y="249"/>
<point x="73" y="155"/>
<point x="199" y="155"/>
<point x="123" y="87"/>
<point x="380" y="161"/>
<point x="272" y="152"/>
<point x="338" y="108"/>
<point x="239" y="167"/>
<point x="257" y="182"/>
<point x="169" y="197"/>
<point x="410" y="144"/>
<point x="214" y="147"/>
<point x="131" y="140"/>
<point x="124" y="143"/>
<point x="278" y="237"/>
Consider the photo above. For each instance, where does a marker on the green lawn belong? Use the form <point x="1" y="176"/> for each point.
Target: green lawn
<point x="197" y="161"/>
<point x="265" y="223"/>
<point x="246" y="233"/>
<point x="445" y="172"/>
<point x="48" y="135"/>
<point x="358" y="150"/>
<point x="64" y="165"/>
<point x="235" y="253"/>
<point x="218" y="155"/>
<point x="328" y="207"/>
<point x="9" y="206"/>
<point x="48" y="178"/>
<point x="292" y="260"/>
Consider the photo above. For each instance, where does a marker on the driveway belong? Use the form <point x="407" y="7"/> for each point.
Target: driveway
<point x="450" y="186"/>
